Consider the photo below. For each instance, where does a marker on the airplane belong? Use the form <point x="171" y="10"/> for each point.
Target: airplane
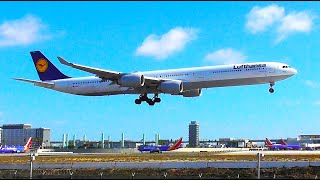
<point x="159" y="149"/>
<point x="291" y="146"/>
<point x="16" y="149"/>
<point x="274" y="146"/>
<point x="186" y="82"/>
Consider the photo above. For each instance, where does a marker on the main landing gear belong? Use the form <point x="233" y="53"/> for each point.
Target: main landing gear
<point x="151" y="102"/>
<point x="271" y="90"/>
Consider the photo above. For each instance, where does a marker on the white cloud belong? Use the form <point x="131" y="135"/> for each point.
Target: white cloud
<point x="225" y="56"/>
<point x="24" y="31"/>
<point x="169" y="43"/>
<point x="317" y="103"/>
<point x="259" y="18"/>
<point x="312" y="84"/>
<point x="294" y="22"/>
<point x="290" y="102"/>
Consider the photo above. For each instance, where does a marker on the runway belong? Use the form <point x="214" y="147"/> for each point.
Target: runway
<point x="181" y="151"/>
<point x="181" y="158"/>
<point x="163" y="165"/>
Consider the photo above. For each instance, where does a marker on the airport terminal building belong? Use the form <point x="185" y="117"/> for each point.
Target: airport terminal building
<point x="18" y="134"/>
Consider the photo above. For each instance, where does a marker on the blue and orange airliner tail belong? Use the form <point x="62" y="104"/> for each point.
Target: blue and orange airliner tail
<point x="176" y="145"/>
<point x="27" y="146"/>
<point x="268" y="142"/>
<point x="46" y="70"/>
<point x="283" y="142"/>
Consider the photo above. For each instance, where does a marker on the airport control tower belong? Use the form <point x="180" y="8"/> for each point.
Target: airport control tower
<point x="193" y="134"/>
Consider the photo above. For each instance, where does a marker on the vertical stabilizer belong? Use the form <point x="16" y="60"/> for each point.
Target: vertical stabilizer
<point x="283" y="142"/>
<point x="176" y="145"/>
<point x="27" y="146"/>
<point x="45" y="69"/>
<point x="268" y="142"/>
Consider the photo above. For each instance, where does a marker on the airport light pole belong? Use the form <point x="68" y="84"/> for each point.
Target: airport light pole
<point x="259" y="159"/>
<point x="32" y="158"/>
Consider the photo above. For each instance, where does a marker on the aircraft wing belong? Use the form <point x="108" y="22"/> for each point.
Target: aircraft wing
<point x="107" y="74"/>
<point x="112" y="75"/>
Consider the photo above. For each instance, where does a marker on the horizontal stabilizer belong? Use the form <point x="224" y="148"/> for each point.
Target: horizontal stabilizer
<point x="37" y="83"/>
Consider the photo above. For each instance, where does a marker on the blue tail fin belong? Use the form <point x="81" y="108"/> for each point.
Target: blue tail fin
<point x="46" y="70"/>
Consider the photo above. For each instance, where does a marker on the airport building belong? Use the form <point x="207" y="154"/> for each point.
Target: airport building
<point x="193" y="134"/>
<point x="309" y="137"/>
<point x="18" y="134"/>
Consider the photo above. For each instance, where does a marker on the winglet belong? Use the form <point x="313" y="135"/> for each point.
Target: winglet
<point x="62" y="61"/>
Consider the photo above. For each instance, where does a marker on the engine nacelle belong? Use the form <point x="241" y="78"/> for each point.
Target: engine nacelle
<point x="171" y="87"/>
<point x="192" y="93"/>
<point x="132" y="80"/>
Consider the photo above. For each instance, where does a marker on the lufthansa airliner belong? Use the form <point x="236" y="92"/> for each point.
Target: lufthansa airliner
<point x="187" y="82"/>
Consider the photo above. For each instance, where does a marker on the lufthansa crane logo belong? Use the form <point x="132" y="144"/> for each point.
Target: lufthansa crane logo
<point x="42" y="65"/>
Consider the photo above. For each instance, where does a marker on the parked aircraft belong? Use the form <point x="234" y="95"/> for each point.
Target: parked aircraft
<point x="159" y="149"/>
<point x="274" y="146"/>
<point x="291" y="146"/>
<point x="16" y="149"/>
<point x="187" y="82"/>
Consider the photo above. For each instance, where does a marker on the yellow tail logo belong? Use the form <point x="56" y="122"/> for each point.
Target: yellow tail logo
<point x="42" y="65"/>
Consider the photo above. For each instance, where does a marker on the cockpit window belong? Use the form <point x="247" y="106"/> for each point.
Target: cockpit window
<point x="285" y="66"/>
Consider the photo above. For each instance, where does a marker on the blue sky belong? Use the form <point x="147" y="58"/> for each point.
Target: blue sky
<point x="144" y="36"/>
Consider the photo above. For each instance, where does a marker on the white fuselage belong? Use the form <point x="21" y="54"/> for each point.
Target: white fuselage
<point x="192" y="78"/>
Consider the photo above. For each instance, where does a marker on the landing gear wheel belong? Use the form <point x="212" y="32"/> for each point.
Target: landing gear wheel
<point x="151" y="103"/>
<point x="143" y="98"/>
<point x="137" y="101"/>
<point x="157" y="100"/>
<point x="271" y="90"/>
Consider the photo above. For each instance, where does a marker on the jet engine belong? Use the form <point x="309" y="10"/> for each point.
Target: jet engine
<point x="132" y="80"/>
<point x="171" y="87"/>
<point x="192" y="93"/>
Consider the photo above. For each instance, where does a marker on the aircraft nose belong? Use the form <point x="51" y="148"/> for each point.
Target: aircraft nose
<point x="294" y="71"/>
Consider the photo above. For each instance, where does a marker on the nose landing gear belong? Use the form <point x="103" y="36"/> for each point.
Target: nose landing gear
<point x="271" y="90"/>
